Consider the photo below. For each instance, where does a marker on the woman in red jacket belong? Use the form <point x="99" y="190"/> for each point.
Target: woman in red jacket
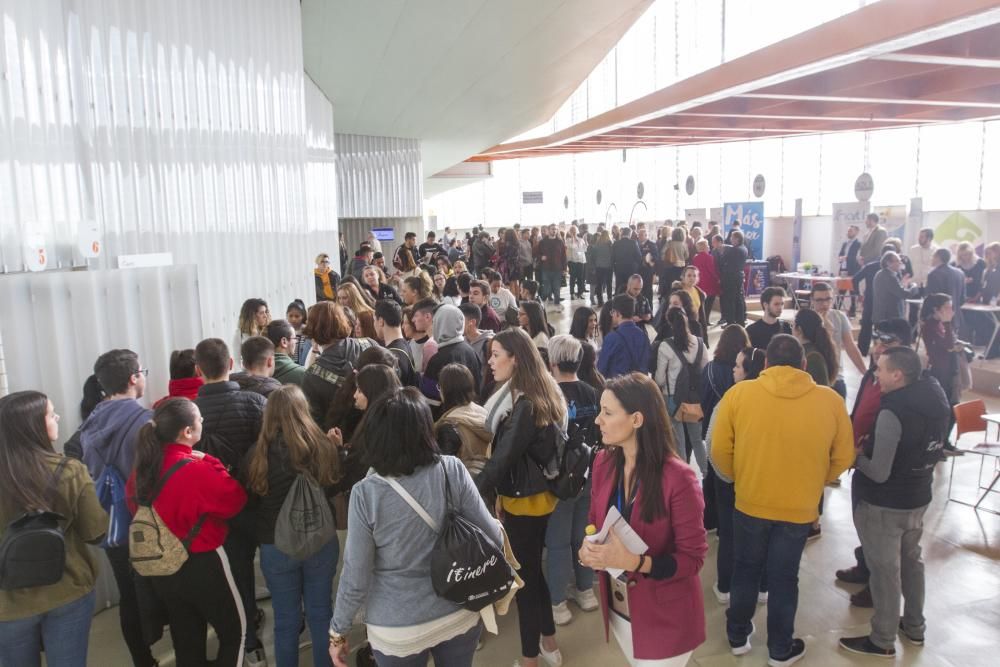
<point x="655" y="608"/>
<point x="194" y="502"/>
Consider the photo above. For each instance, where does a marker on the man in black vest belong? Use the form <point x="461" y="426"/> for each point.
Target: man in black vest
<point x="893" y="488"/>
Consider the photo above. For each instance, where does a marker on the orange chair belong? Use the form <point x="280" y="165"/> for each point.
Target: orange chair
<point x="844" y="287"/>
<point x="969" y="420"/>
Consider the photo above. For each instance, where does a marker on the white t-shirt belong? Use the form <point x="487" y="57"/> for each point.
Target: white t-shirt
<point x="837" y="324"/>
<point x="501" y="300"/>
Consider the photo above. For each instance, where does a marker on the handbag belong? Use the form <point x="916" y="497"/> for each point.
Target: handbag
<point x="467" y="567"/>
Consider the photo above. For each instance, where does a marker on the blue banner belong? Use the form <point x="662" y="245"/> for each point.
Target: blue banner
<point x="751" y="217"/>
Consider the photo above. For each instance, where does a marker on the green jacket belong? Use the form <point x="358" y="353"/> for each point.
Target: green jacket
<point x="286" y="371"/>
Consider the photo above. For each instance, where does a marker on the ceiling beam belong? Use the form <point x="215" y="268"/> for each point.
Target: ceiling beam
<point x="931" y="59"/>
<point x="877" y="29"/>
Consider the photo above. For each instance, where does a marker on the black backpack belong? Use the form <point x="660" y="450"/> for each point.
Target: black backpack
<point x="574" y="453"/>
<point x="687" y="388"/>
<point x="33" y="547"/>
<point x="467" y="567"/>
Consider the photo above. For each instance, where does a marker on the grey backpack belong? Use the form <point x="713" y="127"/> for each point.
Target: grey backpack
<point x="305" y="523"/>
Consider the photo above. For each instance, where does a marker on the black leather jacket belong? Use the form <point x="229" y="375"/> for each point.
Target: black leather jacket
<point x="520" y="451"/>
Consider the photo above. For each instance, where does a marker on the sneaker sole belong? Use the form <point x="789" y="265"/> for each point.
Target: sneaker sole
<point x="890" y="656"/>
<point x="787" y="661"/>
<point x="746" y="648"/>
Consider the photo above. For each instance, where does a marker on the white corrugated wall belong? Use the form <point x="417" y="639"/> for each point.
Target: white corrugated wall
<point x="186" y="127"/>
<point x="379" y="177"/>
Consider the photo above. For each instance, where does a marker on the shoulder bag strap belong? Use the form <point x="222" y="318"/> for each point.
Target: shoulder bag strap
<point x="411" y="501"/>
<point x="53" y="487"/>
<point x="167" y="475"/>
<point x="696" y="366"/>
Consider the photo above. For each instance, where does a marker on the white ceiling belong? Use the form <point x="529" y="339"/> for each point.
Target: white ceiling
<point x="460" y="75"/>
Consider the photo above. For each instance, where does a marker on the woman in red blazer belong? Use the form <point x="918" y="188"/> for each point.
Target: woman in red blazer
<point x="656" y="614"/>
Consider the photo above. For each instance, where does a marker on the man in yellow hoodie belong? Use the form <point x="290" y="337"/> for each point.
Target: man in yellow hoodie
<point x="780" y="439"/>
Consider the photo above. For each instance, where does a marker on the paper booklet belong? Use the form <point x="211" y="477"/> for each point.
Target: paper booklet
<point x="616" y="522"/>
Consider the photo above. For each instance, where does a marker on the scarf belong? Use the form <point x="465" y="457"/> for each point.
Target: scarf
<point x="324" y="277"/>
<point x="498" y="406"/>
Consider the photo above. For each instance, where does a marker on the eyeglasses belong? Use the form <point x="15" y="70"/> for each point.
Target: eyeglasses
<point x="142" y="371"/>
<point x="826" y="300"/>
<point x="886" y="338"/>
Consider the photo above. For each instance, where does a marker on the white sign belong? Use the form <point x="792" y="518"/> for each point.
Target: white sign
<point x="864" y="186"/>
<point x="893" y="218"/>
<point x="846" y="214"/>
<point x="145" y="260"/>
<point x="36" y="256"/>
<point x="758" y="185"/>
<point x="694" y="215"/>
<point x="89" y="240"/>
<point x="715" y="215"/>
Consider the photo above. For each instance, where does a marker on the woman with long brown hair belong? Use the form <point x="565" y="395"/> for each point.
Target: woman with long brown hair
<point x="34" y="477"/>
<point x="524" y="415"/>
<point x="821" y="354"/>
<point x="253" y="320"/>
<point x="640" y="474"/>
<point x="195" y="497"/>
<point x="291" y="444"/>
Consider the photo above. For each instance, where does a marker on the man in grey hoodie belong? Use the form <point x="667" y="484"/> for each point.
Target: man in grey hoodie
<point x="107" y="438"/>
<point x="474" y="336"/>
<point x="449" y="326"/>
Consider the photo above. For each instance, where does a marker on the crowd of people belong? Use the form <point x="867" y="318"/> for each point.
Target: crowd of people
<point x="435" y="384"/>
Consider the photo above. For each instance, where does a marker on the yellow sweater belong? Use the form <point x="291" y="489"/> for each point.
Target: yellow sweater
<point x="781" y="438"/>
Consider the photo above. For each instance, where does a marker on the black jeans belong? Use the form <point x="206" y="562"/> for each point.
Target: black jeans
<point x="528" y="272"/>
<point x="709" y="302"/>
<point x="734" y="305"/>
<point x="200" y="594"/>
<point x="774" y="547"/>
<point x="240" y="549"/>
<point x="602" y="284"/>
<point x="576" y="282"/>
<point x="534" y="605"/>
<point x="865" y="335"/>
<point x="128" y="607"/>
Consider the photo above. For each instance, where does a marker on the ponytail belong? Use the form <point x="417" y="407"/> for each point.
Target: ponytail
<point x="172" y="417"/>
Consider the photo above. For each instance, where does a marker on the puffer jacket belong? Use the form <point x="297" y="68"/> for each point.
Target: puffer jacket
<point x="333" y="366"/>
<point x="520" y="451"/>
<point x="470" y="423"/>
<point x="232" y="420"/>
<point x="255" y="383"/>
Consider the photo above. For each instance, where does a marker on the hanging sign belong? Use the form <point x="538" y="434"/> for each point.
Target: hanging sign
<point x="689" y="185"/>
<point x="35" y="253"/>
<point x="864" y="186"/>
<point x="758" y="185"/>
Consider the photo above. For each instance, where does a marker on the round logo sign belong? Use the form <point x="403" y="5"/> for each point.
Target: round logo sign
<point x="640" y="190"/>
<point x="598" y="196"/>
<point x="864" y="186"/>
<point x="689" y="185"/>
<point x="566" y="201"/>
<point x="758" y="185"/>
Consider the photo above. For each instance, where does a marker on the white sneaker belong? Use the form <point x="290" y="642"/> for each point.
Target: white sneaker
<point x="561" y="613"/>
<point x="255" y="658"/>
<point x="723" y="598"/>
<point x="554" y="658"/>
<point x="585" y="600"/>
<point x="743" y="650"/>
<point x="762" y="597"/>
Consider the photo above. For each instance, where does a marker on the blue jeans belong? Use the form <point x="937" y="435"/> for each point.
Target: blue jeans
<point x="551" y="285"/>
<point x="725" y="506"/>
<point x="292" y="583"/>
<point x="563" y="538"/>
<point x="455" y="652"/>
<point x="774" y="547"/>
<point x="64" y="631"/>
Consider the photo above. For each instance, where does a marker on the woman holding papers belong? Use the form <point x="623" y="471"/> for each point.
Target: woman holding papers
<point x="655" y="607"/>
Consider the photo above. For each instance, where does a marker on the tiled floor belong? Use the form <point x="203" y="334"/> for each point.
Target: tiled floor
<point x="961" y="552"/>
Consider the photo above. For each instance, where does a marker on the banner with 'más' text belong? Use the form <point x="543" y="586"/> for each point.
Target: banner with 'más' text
<point x="751" y="217"/>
